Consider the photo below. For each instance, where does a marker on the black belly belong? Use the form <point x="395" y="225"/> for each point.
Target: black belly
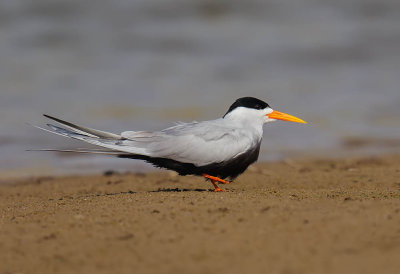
<point x="229" y="169"/>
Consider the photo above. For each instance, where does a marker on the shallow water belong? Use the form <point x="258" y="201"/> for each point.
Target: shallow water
<point x="141" y="65"/>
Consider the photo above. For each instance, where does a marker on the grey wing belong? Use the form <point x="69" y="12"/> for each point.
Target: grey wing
<point x="198" y="143"/>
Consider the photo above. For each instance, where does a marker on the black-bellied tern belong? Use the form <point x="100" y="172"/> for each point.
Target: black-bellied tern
<point x="215" y="149"/>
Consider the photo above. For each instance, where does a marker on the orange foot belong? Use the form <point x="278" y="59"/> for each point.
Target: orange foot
<point x="214" y="181"/>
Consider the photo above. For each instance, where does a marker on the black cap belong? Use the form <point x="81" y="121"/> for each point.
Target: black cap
<point x="248" y="102"/>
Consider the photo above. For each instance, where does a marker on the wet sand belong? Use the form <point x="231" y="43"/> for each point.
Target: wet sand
<point x="309" y="216"/>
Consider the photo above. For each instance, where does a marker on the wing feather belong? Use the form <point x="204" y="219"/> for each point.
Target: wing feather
<point x="199" y="143"/>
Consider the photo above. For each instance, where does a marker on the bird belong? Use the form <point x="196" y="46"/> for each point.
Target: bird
<point x="218" y="150"/>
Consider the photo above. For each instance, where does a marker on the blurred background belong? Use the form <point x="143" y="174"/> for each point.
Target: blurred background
<point x="142" y="65"/>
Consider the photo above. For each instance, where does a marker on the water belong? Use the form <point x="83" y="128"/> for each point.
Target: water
<point x="141" y="65"/>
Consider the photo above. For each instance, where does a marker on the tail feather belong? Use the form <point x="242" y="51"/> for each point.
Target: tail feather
<point x="89" y="151"/>
<point x="68" y="133"/>
<point x="48" y="130"/>
<point x="103" y="142"/>
<point x="84" y="130"/>
<point x="107" y="140"/>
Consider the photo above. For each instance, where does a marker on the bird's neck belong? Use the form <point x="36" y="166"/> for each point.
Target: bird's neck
<point x="249" y="124"/>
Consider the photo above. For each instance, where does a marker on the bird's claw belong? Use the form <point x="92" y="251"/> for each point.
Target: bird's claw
<point x="214" y="180"/>
<point x="217" y="189"/>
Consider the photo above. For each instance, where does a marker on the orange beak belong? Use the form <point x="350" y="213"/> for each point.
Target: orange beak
<point x="285" y="117"/>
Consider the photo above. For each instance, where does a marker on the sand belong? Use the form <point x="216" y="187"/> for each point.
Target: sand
<point x="309" y="216"/>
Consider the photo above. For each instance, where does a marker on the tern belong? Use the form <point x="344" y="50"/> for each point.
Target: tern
<point x="219" y="150"/>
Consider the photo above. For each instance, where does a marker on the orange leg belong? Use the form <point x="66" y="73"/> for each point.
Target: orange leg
<point x="214" y="181"/>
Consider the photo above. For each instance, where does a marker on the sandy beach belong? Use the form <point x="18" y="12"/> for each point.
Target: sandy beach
<point x="309" y="216"/>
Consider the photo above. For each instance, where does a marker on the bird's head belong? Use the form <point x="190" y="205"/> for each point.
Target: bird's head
<point x="253" y="109"/>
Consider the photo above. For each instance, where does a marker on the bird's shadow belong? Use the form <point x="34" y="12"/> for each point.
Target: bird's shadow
<point x="88" y="195"/>
<point x="130" y="192"/>
<point x="117" y="193"/>
<point x="180" y="190"/>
